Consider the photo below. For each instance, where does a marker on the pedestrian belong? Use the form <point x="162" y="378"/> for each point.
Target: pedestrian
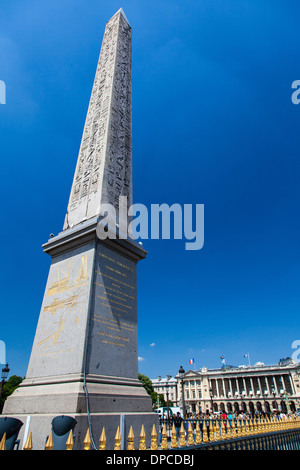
<point x="224" y="417"/>
<point x="177" y="422"/>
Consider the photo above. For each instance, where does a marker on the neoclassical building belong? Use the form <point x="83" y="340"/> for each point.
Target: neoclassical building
<point x="166" y="386"/>
<point x="244" y="388"/>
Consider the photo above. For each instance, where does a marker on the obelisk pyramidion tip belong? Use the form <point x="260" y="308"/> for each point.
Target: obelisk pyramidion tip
<point x="122" y="12"/>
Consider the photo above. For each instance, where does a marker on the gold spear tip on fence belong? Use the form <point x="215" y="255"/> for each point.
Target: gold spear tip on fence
<point x="154" y="445"/>
<point x="142" y="439"/>
<point x="87" y="440"/>
<point x="28" y="443"/>
<point x="70" y="441"/>
<point x="118" y="439"/>
<point x="3" y="442"/>
<point x="130" y="439"/>
<point x="102" y="440"/>
<point x="164" y="440"/>
<point x="182" y="440"/>
<point x="49" y="443"/>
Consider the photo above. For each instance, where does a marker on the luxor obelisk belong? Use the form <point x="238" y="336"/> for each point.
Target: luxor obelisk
<point x="84" y="359"/>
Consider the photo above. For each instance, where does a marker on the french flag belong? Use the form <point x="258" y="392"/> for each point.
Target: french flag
<point x="191" y="361"/>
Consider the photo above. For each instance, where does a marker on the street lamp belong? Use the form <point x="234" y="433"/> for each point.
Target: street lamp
<point x="167" y="393"/>
<point x="5" y="372"/>
<point x="181" y="373"/>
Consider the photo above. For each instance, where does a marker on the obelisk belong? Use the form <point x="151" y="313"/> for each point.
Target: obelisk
<point x="84" y="359"/>
<point x="104" y="166"/>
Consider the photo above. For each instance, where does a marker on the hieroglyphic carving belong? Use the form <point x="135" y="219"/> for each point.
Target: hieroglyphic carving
<point x="104" y="168"/>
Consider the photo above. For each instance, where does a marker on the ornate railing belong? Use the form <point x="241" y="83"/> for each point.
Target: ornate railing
<point x="249" y="434"/>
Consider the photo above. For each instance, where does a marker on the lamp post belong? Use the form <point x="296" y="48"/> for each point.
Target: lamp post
<point x="167" y="393"/>
<point x="181" y="373"/>
<point x="4" y="375"/>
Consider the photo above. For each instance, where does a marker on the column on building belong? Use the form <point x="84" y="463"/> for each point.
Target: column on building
<point x="237" y="385"/>
<point x="245" y="387"/>
<point x="224" y="388"/>
<point x="230" y="387"/>
<point x="268" y="385"/>
<point x="217" y="387"/>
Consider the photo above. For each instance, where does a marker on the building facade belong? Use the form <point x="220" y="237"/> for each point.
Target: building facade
<point x="233" y="389"/>
<point x="166" y="386"/>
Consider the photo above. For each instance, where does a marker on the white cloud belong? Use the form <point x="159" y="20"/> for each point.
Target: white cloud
<point x="140" y="359"/>
<point x="152" y="345"/>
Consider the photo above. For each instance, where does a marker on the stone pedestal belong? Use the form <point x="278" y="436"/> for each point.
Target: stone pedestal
<point x="84" y="360"/>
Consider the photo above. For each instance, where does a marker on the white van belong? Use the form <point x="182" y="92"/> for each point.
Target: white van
<point x="163" y="411"/>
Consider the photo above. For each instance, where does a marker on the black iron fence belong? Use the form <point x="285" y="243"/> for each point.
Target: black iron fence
<point x="236" y="434"/>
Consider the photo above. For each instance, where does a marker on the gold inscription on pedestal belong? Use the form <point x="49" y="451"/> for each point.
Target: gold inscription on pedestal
<point x="62" y="283"/>
<point x="63" y="278"/>
<point x="115" y="280"/>
<point x="54" y="336"/>
<point x="116" y="294"/>
<point x="56" y="304"/>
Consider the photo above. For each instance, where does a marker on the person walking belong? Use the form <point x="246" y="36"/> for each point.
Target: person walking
<point x="177" y="423"/>
<point x="224" y="417"/>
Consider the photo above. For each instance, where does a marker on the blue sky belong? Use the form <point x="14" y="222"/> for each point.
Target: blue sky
<point x="213" y="124"/>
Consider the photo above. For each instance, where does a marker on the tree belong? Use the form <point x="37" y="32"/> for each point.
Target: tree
<point x="147" y="384"/>
<point x="8" y="388"/>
